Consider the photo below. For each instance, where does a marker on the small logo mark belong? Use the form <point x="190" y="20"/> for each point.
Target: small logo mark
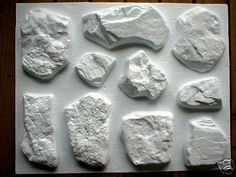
<point x="226" y="166"/>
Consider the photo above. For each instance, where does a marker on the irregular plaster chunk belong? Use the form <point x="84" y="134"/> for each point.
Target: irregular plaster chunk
<point x="88" y="122"/>
<point x="200" y="47"/>
<point x="94" y="68"/>
<point x="132" y="24"/>
<point x="207" y="145"/>
<point x="45" y="43"/>
<point x="148" y="136"/>
<point x="200" y="95"/>
<point x="142" y="78"/>
<point x="38" y="142"/>
<point x="199" y="18"/>
<point x="198" y="51"/>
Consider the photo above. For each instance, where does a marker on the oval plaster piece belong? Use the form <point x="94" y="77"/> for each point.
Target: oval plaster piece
<point x="200" y="94"/>
<point x="94" y="68"/>
<point x="199" y="19"/>
<point x="121" y="25"/>
<point x="199" y="47"/>
<point x="45" y="43"/>
<point x="207" y="145"/>
<point x="88" y="123"/>
<point x="147" y="137"/>
<point x="38" y="142"/>
<point x="142" y="78"/>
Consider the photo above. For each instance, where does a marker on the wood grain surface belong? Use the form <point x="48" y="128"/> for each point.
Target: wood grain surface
<point x="7" y="88"/>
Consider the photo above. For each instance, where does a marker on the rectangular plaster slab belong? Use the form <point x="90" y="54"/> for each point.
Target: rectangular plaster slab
<point x="68" y="87"/>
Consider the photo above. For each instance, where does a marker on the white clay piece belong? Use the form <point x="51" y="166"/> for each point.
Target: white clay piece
<point x="94" y="68"/>
<point x="88" y="123"/>
<point x="147" y="137"/>
<point x="142" y="78"/>
<point x="207" y="145"/>
<point x="200" y="46"/>
<point x="122" y="25"/>
<point x="45" y="43"/>
<point x="38" y="142"/>
<point x="201" y="94"/>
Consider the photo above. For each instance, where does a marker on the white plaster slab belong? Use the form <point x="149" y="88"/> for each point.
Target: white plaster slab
<point x="67" y="87"/>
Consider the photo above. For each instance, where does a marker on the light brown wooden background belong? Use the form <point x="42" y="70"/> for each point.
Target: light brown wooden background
<point x="7" y="87"/>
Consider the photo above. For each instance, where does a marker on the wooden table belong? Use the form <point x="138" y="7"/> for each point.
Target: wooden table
<point x="7" y="87"/>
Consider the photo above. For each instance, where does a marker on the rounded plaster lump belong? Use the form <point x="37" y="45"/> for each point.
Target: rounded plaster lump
<point x="201" y="94"/>
<point x="38" y="142"/>
<point x="147" y="137"/>
<point x="132" y="24"/>
<point x="199" y="47"/>
<point x="94" y="68"/>
<point x="88" y="123"/>
<point x="142" y="78"/>
<point x="207" y="145"/>
<point x="45" y="43"/>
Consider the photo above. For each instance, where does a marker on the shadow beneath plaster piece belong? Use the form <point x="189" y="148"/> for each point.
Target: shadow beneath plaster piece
<point x="135" y="45"/>
<point x="145" y="99"/>
<point x="125" y="45"/>
<point x="202" y="167"/>
<point x="45" y="81"/>
<point x="86" y="84"/>
<point x="151" y="167"/>
<point x="91" y="168"/>
<point x="40" y="166"/>
<point x="148" y="167"/>
<point x="43" y="167"/>
<point x="188" y="109"/>
<point x="191" y="110"/>
<point x="85" y="165"/>
<point x="179" y="60"/>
